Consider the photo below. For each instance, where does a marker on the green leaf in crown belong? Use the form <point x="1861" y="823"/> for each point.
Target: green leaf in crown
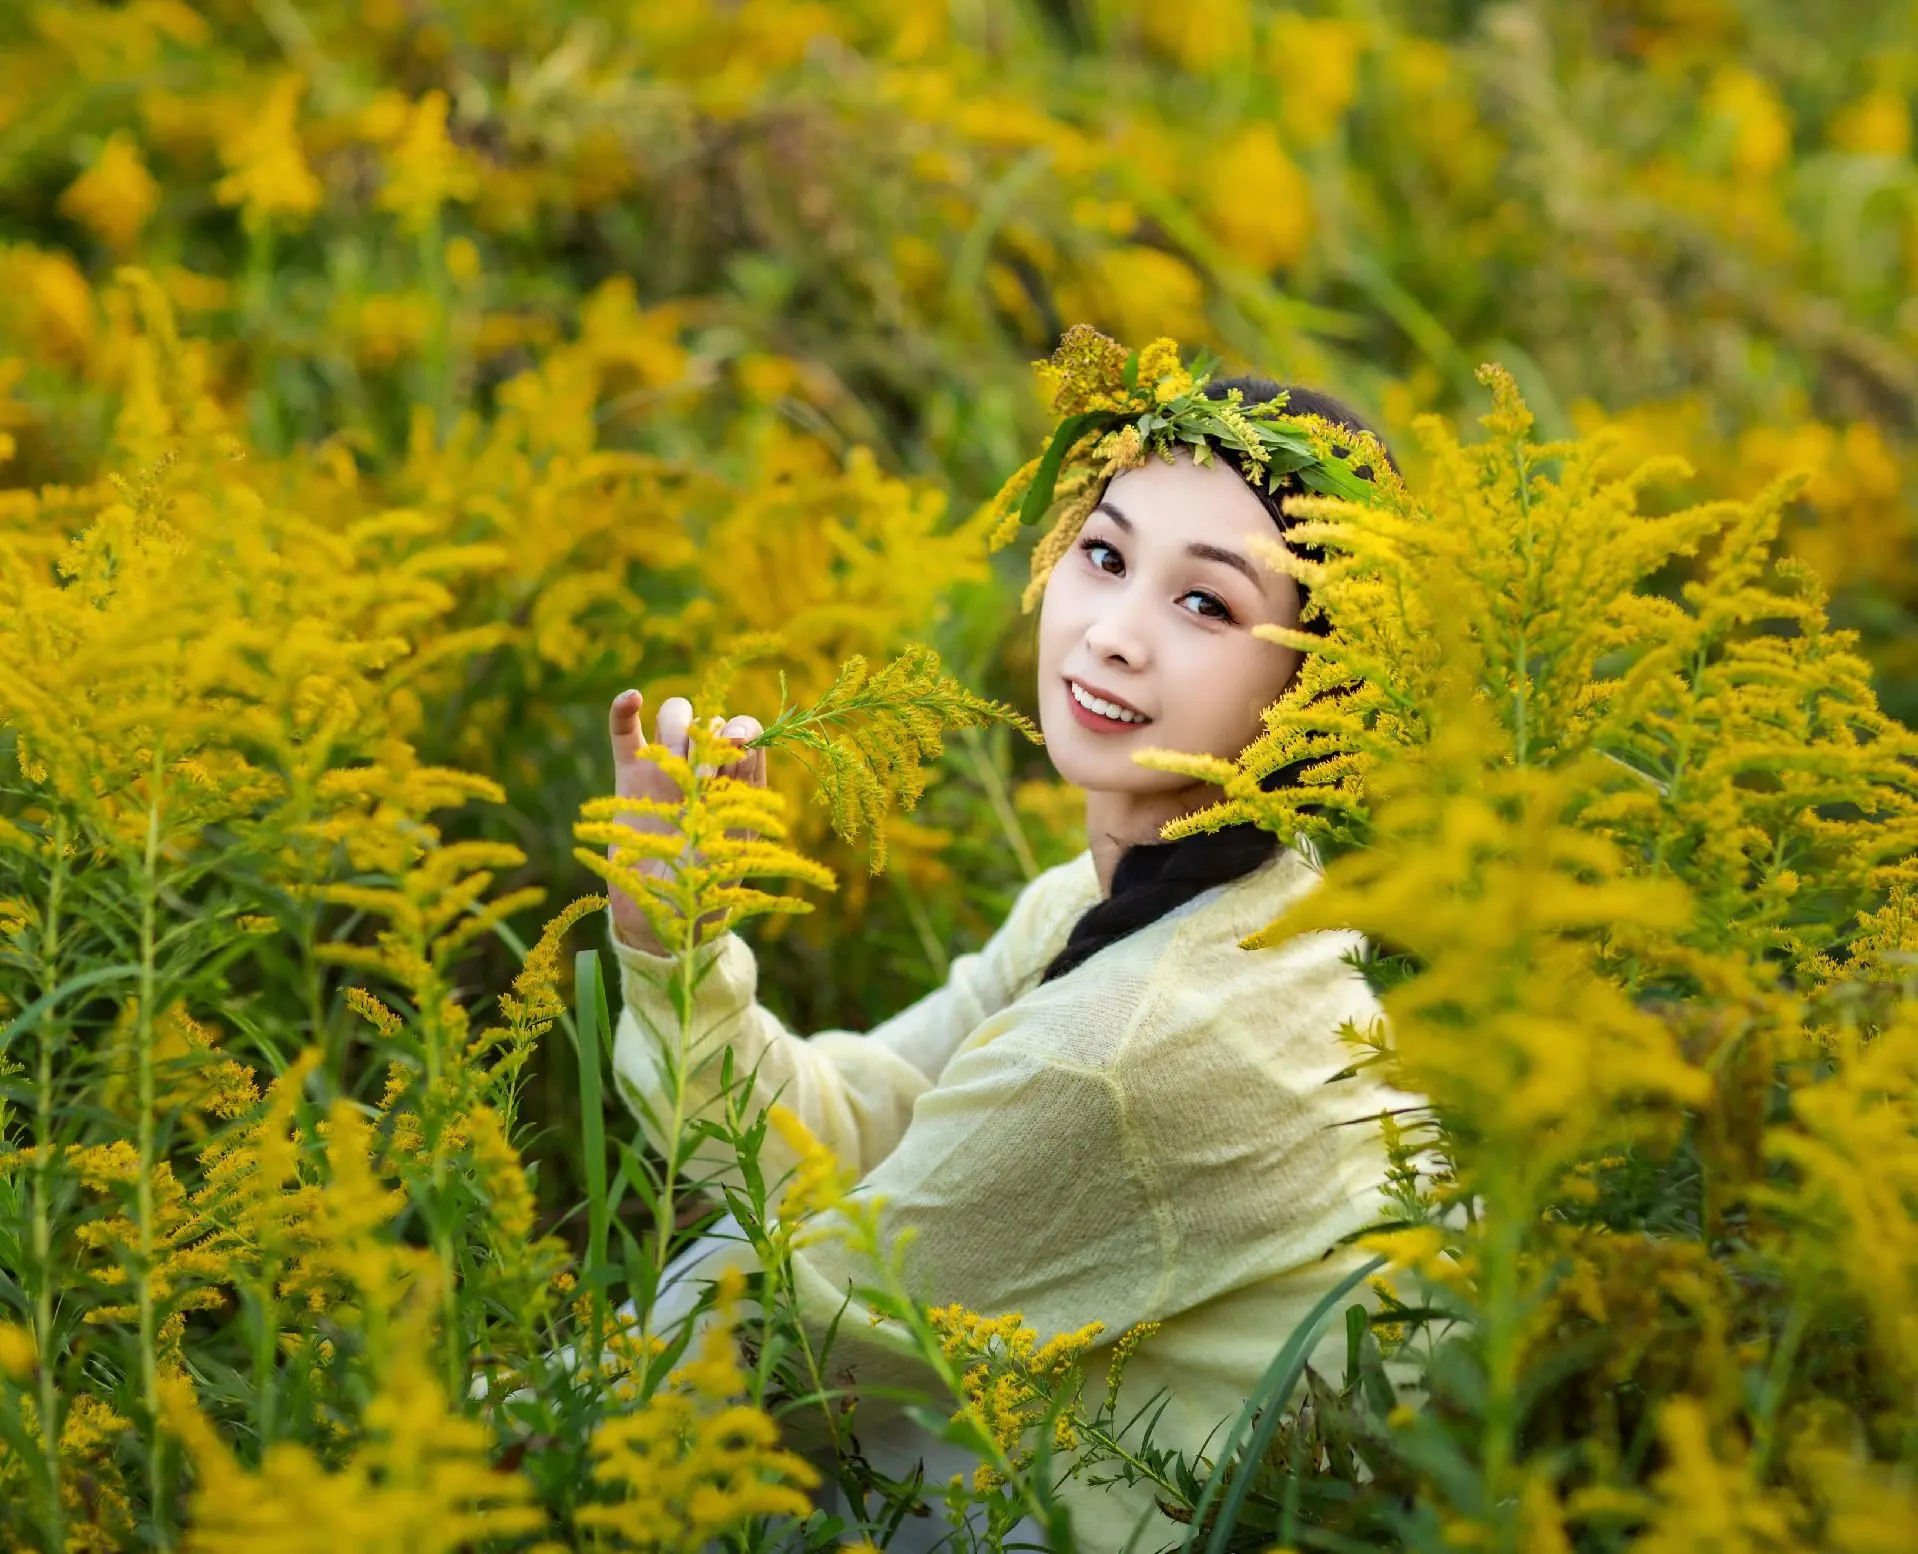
<point x="1118" y="406"/>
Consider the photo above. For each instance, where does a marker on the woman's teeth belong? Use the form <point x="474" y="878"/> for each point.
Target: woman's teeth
<point x="1105" y="709"/>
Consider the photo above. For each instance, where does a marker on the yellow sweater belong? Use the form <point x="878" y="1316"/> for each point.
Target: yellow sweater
<point x="1148" y="1138"/>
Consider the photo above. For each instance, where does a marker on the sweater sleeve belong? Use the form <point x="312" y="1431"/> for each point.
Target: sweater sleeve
<point x="854" y="1091"/>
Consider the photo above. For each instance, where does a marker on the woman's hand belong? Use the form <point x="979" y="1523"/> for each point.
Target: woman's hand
<point x="634" y="777"/>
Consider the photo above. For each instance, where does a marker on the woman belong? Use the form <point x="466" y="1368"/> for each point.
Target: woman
<point x="1111" y="1112"/>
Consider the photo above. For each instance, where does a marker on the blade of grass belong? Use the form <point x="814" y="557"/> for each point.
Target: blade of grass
<point x="589" y="993"/>
<point x="1266" y="1406"/>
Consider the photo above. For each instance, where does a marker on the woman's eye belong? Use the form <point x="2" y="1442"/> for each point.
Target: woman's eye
<point x="1225" y="614"/>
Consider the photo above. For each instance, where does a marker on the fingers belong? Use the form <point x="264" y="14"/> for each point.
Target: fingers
<point x="675" y="724"/>
<point x="673" y="729"/>
<point x="751" y="765"/>
<point x="622" y="723"/>
<point x="713" y="725"/>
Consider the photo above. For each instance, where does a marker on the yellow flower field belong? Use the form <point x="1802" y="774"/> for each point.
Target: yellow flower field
<point x="386" y="385"/>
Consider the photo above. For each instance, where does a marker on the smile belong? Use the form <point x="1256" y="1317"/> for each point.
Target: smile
<point x="1096" y="712"/>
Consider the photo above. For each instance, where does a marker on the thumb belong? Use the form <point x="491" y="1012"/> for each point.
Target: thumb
<point x="623" y="726"/>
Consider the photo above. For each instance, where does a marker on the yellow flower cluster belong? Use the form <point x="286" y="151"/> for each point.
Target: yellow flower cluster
<point x="1013" y="1383"/>
<point x="696" y="1462"/>
<point x="817" y="1182"/>
<point x="1627" y="844"/>
<point x="421" y="1480"/>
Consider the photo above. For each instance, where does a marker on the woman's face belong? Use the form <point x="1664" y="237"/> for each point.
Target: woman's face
<point x="1153" y="607"/>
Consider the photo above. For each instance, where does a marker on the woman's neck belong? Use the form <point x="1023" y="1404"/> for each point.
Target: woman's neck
<point x="1116" y="820"/>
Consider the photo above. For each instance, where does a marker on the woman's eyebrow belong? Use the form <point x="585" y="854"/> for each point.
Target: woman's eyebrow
<point x="1197" y="548"/>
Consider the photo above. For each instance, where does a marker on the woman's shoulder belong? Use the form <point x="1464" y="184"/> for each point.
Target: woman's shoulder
<point x="1076" y="877"/>
<point x="1215" y="923"/>
<point x="1204" y="974"/>
<point x="1053" y="898"/>
<point x="1178" y="973"/>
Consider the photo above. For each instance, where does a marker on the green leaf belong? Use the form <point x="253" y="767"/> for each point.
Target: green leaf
<point x="1262" y="1415"/>
<point x="1046" y="478"/>
<point x="1334" y="477"/>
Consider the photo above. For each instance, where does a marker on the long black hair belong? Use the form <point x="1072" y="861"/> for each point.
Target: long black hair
<point x="1152" y="878"/>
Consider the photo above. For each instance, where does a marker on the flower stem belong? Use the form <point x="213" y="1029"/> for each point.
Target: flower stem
<point x="42" y="1189"/>
<point x="1000" y="801"/>
<point x="149" y="987"/>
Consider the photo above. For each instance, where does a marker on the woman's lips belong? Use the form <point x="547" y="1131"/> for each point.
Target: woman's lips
<point x="1099" y="725"/>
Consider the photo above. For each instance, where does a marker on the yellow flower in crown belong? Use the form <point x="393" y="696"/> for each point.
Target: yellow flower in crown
<point x="1117" y="406"/>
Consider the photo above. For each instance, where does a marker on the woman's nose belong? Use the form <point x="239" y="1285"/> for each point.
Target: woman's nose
<point x="1116" y="633"/>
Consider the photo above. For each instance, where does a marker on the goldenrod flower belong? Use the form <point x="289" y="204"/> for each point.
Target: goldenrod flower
<point x="18" y="1352"/>
<point x="1012" y="1381"/>
<point x="268" y="177"/>
<point x="817" y="1182"/>
<point x="422" y="1478"/>
<point x="691" y="1463"/>
<point x="1758" y="124"/>
<point x="425" y="169"/>
<point x="1256" y="198"/>
<point x="1877" y="124"/>
<point x="115" y="196"/>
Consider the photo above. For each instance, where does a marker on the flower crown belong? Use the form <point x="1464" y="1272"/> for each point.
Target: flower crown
<point x="1118" y="406"/>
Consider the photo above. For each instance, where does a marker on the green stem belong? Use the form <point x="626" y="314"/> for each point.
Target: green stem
<point x="1499" y="1429"/>
<point x="42" y="1191"/>
<point x="784" y="1289"/>
<point x="1109" y="1443"/>
<point x="452" y="1358"/>
<point x="1681" y="759"/>
<point x="1000" y="801"/>
<point x="149" y="987"/>
<point x="666" y="1217"/>
<point x="439" y="364"/>
<point x="1522" y="652"/>
<point x="589" y="1035"/>
<point x="1777" y="1378"/>
<point x="266" y="1338"/>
